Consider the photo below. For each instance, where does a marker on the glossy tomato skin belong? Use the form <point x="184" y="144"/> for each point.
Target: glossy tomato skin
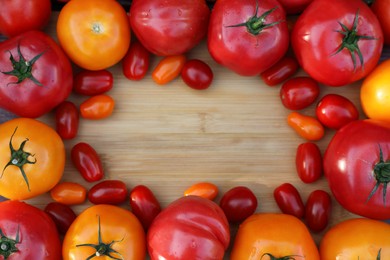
<point x="69" y="193"/>
<point x="97" y="107"/>
<point x="280" y="71"/>
<point x="231" y="45"/>
<point x="67" y="120"/>
<point x="191" y="227"/>
<point x="381" y="9"/>
<point x="168" y="68"/>
<point x="178" y="25"/>
<point x="308" y="162"/>
<point x="108" y="192"/>
<point x="352" y="163"/>
<point x="144" y="205"/>
<point x="49" y="81"/>
<point x="87" y="161"/>
<point x="136" y="62"/>
<point x="62" y="215"/>
<point x="93" y="82"/>
<point x="316" y="38"/>
<point x="299" y="92"/>
<point x="308" y="127"/>
<point x="289" y="200"/>
<point x="295" y="6"/>
<point x="24" y="223"/>
<point x="197" y="74"/>
<point x="206" y="190"/>
<point x="318" y="210"/>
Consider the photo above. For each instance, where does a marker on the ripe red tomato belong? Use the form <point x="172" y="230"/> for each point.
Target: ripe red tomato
<point x="97" y="107"/>
<point x="299" y="92"/>
<point x="308" y="162"/>
<point x="61" y="214"/>
<point x="295" y="6"/>
<point x="381" y="8"/>
<point x="108" y="192"/>
<point x="67" y="120"/>
<point x="307" y="127"/>
<point x="144" y="205"/>
<point x="197" y="74"/>
<point x="318" y="210"/>
<point x="289" y="200"/>
<point x="87" y="161"/>
<point x="93" y="82"/>
<point x="279" y="72"/>
<point x="136" y="62"/>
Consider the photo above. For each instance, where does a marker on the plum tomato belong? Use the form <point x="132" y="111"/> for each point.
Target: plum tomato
<point x="289" y="200"/>
<point x="308" y="162"/>
<point x="307" y="127"/>
<point x="299" y="92"/>
<point x="318" y="210"/>
<point x="97" y="107"/>
<point x="144" y="205"/>
<point x="62" y="215"/>
<point x="136" y="62"/>
<point x="93" y="82"/>
<point x="281" y="71"/>
<point x="69" y="193"/>
<point x="108" y="192"/>
<point x="203" y="189"/>
<point x="67" y="120"/>
<point x="197" y="74"/>
<point x="168" y="68"/>
<point x="87" y="161"/>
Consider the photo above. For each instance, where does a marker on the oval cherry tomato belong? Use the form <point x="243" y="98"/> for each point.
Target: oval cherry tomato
<point x="67" y="120"/>
<point x="136" y="62"/>
<point x="238" y="203"/>
<point x="279" y="72"/>
<point x="308" y="162"/>
<point x="203" y="189"/>
<point x="306" y="126"/>
<point x="144" y="205"/>
<point x="87" y="161"/>
<point x="108" y="192"/>
<point x="61" y="214"/>
<point x="299" y="92"/>
<point x="335" y="111"/>
<point x="69" y="193"/>
<point x="168" y="69"/>
<point x="289" y="200"/>
<point x="318" y="210"/>
<point x="197" y="74"/>
<point x="91" y="83"/>
<point x="97" y="107"/>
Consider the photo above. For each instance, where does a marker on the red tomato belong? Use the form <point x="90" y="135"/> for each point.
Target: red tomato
<point x="337" y="44"/>
<point x="144" y="205"/>
<point x="69" y="193"/>
<point x="87" y="161"/>
<point x="136" y="62"/>
<point x="168" y="69"/>
<point x="170" y="27"/>
<point x="295" y="6"/>
<point x="93" y="82"/>
<point x="381" y="9"/>
<point x="206" y="190"/>
<point x="67" y="120"/>
<point x="97" y="107"/>
<point x="335" y="111"/>
<point x="289" y="200"/>
<point x="247" y="36"/>
<point x="308" y="162"/>
<point x="108" y="192"/>
<point x="318" y="210"/>
<point x="299" y="92"/>
<point x="197" y="74"/>
<point x="238" y="203"/>
<point x="62" y="215"/>
<point x="307" y="127"/>
<point x="279" y="72"/>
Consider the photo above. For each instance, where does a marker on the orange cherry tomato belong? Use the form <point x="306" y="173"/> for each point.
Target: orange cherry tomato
<point x="97" y="107"/>
<point x="69" y="193"/>
<point x="206" y="190"/>
<point x="168" y="69"/>
<point x="306" y="126"/>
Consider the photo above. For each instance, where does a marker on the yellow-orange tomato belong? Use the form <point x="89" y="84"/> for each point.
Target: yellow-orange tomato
<point x="168" y="69"/>
<point x="358" y="238"/>
<point x="95" y="34"/>
<point x="273" y="236"/>
<point x="307" y="127"/>
<point x="32" y="158"/>
<point x="105" y="232"/>
<point x="69" y="193"/>
<point x="97" y="107"/>
<point x="206" y="190"/>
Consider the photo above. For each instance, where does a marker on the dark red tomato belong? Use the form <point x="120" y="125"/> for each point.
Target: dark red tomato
<point x="247" y="36"/>
<point x="197" y="74"/>
<point x="308" y="162"/>
<point x="91" y="83"/>
<point x="144" y="205"/>
<point x="238" y="203"/>
<point x="62" y="215"/>
<point x="335" y="111"/>
<point x="289" y="200"/>
<point x="295" y="6"/>
<point x="318" y="210"/>
<point x="299" y="92"/>
<point x="337" y="44"/>
<point x="136" y="62"/>
<point x="67" y="120"/>
<point x="108" y="192"/>
<point x="381" y="9"/>
<point x="282" y="70"/>
<point x="87" y="161"/>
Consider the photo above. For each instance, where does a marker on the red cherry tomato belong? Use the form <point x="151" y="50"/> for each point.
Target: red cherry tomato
<point x="91" y="83"/>
<point x="335" y="111"/>
<point x="67" y="120"/>
<point x="238" y="203"/>
<point x="318" y="210"/>
<point x="87" y="161"/>
<point x="136" y="62"/>
<point x="144" y="205"/>
<point x="279" y="72"/>
<point x="69" y="193"/>
<point x="308" y="162"/>
<point x="299" y="92"/>
<point x="289" y="200"/>
<point x="197" y="74"/>
<point x="108" y="192"/>
<point x="307" y="127"/>
<point x="97" y="107"/>
<point x="62" y="215"/>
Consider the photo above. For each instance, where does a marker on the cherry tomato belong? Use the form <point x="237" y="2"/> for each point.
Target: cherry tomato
<point x="308" y="162"/>
<point x="93" y="82"/>
<point x="136" y="62"/>
<point x="318" y="210"/>
<point x="238" y="203"/>
<point x="67" y="120"/>
<point x="306" y="126"/>
<point x="108" y="192"/>
<point x="335" y="111"/>
<point x="61" y="214"/>
<point x="69" y="193"/>
<point x="279" y="72"/>
<point x="144" y="205"/>
<point x="299" y="92"/>
<point x="197" y="74"/>
<point x="87" y="161"/>
<point x="289" y="200"/>
<point x="168" y="69"/>
<point x="97" y="107"/>
<point x="203" y="189"/>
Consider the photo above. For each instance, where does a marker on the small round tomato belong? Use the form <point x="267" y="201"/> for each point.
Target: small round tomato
<point x="203" y="189"/>
<point x="299" y="92"/>
<point x="279" y="72"/>
<point x="381" y="10"/>
<point x="168" y="68"/>
<point x="108" y="192"/>
<point x="289" y="200"/>
<point x="93" y="82"/>
<point x="318" y="210"/>
<point x="197" y="74"/>
<point x="144" y="205"/>
<point x="307" y="127"/>
<point x="97" y="107"/>
<point x="87" y="161"/>
<point x="69" y="193"/>
<point x="136" y="62"/>
<point x="308" y="162"/>
<point x="67" y="120"/>
<point x="62" y="215"/>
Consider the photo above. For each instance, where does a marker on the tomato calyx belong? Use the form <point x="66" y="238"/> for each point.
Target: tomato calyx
<point x="8" y="245"/>
<point x="382" y="176"/>
<point x="287" y="257"/>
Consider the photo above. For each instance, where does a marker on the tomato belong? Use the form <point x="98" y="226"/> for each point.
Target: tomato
<point x="69" y="193"/>
<point x="93" y="82"/>
<point x="337" y="44"/>
<point x="144" y="205"/>
<point x="27" y="232"/>
<point x="356" y="167"/>
<point x="238" y="203"/>
<point x="247" y="36"/>
<point x="197" y="74"/>
<point x="67" y="120"/>
<point x="136" y="62"/>
<point x="95" y="35"/>
<point x="191" y="227"/>
<point x="62" y="215"/>
<point x="32" y="158"/>
<point x="280" y="71"/>
<point x="171" y="27"/>
<point x="20" y="16"/>
<point x="273" y="236"/>
<point x="87" y="161"/>
<point x="299" y="92"/>
<point x="307" y="127"/>
<point x="168" y="68"/>
<point x="35" y="74"/>
<point x="106" y="232"/>
<point x="318" y="210"/>
<point x="206" y="190"/>
<point x="381" y="10"/>
<point x="97" y="107"/>
<point x="334" y="111"/>
<point x="108" y="192"/>
<point x="357" y="238"/>
<point x="295" y="6"/>
<point x="308" y="162"/>
<point x="289" y="200"/>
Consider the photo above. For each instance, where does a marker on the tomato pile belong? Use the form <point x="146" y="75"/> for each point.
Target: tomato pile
<point x="333" y="44"/>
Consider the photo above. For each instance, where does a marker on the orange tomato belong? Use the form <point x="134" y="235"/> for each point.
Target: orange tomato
<point x="168" y="69"/>
<point x="69" y="193"/>
<point x="97" y="107"/>
<point x="32" y="158"/>
<point x="306" y="126"/>
<point x="206" y="190"/>
<point x="95" y="34"/>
